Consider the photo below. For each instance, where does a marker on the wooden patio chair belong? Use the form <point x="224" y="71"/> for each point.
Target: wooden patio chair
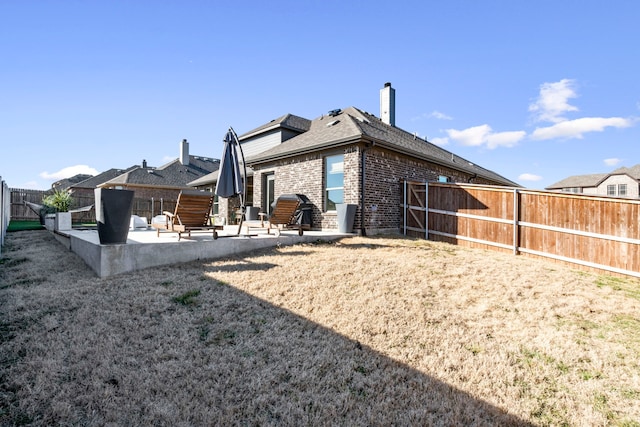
<point x="283" y="215"/>
<point x="192" y="213"/>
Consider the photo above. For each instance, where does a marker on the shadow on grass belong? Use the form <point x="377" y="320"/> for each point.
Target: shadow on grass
<point x="228" y="359"/>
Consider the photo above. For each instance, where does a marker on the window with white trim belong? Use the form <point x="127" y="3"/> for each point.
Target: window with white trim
<point x="333" y="181"/>
<point x="611" y="190"/>
<point x="622" y="189"/>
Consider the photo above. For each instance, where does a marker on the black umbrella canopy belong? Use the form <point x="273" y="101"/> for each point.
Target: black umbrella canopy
<point x="230" y="176"/>
<point x="230" y="182"/>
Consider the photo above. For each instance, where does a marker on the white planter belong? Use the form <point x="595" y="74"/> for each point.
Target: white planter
<point x="63" y="221"/>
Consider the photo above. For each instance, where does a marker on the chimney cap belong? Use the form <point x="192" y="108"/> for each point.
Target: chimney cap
<point x="387" y="84"/>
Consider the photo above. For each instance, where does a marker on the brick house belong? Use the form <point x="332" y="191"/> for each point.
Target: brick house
<point x="349" y="156"/>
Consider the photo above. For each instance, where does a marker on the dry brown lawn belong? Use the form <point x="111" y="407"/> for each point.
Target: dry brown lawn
<point x="363" y="331"/>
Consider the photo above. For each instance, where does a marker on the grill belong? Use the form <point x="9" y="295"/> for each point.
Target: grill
<point x="304" y="214"/>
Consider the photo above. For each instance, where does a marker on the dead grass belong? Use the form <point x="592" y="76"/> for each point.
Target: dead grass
<point x="365" y="331"/>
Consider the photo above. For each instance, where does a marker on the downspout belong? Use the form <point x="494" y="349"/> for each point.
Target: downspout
<point x="363" y="231"/>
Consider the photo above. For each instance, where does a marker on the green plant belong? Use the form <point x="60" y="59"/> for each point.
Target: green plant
<point x="188" y="298"/>
<point x="59" y="201"/>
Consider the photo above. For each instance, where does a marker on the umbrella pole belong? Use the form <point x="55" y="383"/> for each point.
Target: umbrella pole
<point x="243" y="196"/>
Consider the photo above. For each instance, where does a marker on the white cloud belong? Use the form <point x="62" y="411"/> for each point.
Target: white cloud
<point x="612" y="161"/>
<point x="575" y="128"/>
<point x="484" y="135"/>
<point x="68" y="172"/>
<point x="529" y="177"/>
<point x="504" y="139"/>
<point x="552" y="102"/>
<point x="440" y="116"/>
<point x="439" y="141"/>
<point x="432" y="115"/>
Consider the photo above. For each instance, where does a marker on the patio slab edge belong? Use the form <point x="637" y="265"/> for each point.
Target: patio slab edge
<point x="110" y="260"/>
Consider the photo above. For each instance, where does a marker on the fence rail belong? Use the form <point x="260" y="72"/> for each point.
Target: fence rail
<point x="147" y="208"/>
<point x="592" y="231"/>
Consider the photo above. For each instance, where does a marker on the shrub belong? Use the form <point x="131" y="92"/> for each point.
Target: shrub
<point x="59" y="201"/>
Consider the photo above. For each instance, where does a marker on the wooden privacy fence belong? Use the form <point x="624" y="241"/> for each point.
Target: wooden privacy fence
<point x="142" y="207"/>
<point x="592" y="231"/>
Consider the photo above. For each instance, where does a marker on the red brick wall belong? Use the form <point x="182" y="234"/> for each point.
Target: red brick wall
<point x="385" y="171"/>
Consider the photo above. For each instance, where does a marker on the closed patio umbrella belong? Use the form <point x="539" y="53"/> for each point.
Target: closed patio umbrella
<point x="230" y="175"/>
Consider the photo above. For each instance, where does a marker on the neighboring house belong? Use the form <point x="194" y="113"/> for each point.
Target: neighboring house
<point x="149" y="183"/>
<point x="66" y="183"/>
<point x="165" y="181"/>
<point x="622" y="182"/>
<point x="350" y="156"/>
<point x="85" y="189"/>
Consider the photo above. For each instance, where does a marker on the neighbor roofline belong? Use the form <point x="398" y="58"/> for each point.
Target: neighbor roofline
<point x="159" y="187"/>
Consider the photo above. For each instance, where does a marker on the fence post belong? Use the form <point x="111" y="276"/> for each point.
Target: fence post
<point x="426" y="210"/>
<point x="404" y="207"/>
<point x="516" y="213"/>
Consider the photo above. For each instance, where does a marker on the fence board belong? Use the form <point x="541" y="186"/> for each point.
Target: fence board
<point x="593" y="231"/>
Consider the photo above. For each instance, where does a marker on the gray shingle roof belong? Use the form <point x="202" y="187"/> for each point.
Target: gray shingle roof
<point x="633" y="172"/>
<point x="67" y="183"/>
<point x="353" y="125"/>
<point x="576" y="181"/>
<point x="288" y="121"/>
<point x="172" y="174"/>
<point x="105" y="176"/>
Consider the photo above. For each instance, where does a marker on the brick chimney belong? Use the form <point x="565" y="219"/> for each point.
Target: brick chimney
<point x="184" y="152"/>
<point x="388" y="104"/>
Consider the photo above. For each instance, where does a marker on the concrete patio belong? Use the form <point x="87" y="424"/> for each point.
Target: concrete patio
<point x="145" y="249"/>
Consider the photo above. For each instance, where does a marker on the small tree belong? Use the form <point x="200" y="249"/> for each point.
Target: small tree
<point x="59" y="201"/>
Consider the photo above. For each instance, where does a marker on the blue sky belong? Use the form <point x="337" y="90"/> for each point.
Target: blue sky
<point x="534" y="90"/>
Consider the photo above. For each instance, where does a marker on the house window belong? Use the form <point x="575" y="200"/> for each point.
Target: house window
<point x="572" y="189"/>
<point x="622" y="189"/>
<point x="334" y="181"/>
<point x="611" y="190"/>
<point x="443" y="178"/>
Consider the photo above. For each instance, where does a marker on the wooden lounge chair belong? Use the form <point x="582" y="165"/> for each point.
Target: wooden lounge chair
<point x="282" y="215"/>
<point x="192" y="213"/>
